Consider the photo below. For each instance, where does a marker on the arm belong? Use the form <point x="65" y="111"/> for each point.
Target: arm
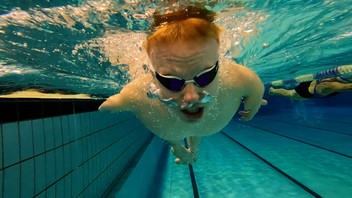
<point x="122" y="101"/>
<point x="114" y="103"/>
<point x="185" y="155"/>
<point x="253" y="99"/>
<point x="130" y="98"/>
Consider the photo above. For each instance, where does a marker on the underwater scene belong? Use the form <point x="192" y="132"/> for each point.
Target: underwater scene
<point x="95" y="47"/>
<point x="299" y="144"/>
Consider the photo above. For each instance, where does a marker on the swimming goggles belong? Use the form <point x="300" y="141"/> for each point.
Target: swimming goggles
<point x="203" y="79"/>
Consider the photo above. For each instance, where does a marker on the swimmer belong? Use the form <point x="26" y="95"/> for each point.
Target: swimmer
<point x="188" y="91"/>
<point x="315" y="89"/>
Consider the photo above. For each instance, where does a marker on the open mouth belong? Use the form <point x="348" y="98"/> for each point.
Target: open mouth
<point x="194" y="113"/>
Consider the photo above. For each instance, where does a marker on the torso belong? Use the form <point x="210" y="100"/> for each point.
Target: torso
<point x="162" y="120"/>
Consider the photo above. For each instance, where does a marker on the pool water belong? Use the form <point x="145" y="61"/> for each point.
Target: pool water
<point x="290" y="149"/>
<point x="292" y="152"/>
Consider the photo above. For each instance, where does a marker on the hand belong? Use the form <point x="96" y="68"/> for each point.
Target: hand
<point x="247" y="115"/>
<point x="184" y="155"/>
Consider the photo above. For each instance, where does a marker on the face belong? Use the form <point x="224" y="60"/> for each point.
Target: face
<point x="186" y="60"/>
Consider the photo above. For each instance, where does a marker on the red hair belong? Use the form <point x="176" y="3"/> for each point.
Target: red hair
<point x="187" y="24"/>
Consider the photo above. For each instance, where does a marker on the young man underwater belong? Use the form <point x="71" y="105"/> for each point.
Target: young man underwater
<point x="189" y="92"/>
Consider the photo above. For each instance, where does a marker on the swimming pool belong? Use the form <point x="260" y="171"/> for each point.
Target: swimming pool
<point x="65" y="148"/>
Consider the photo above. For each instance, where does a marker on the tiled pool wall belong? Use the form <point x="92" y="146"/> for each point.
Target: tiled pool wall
<point x="64" y="148"/>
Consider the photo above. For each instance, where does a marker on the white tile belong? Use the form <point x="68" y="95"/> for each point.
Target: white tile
<point x="49" y="133"/>
<point x="26" y="139"/>
<point x="27" y="178"/>
<point x="38" y="136"/>
<point x="12" y="181"/>
<point x="10" y="143"/>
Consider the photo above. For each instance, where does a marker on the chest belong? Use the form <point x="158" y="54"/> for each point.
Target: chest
<point x="168" y="124"/>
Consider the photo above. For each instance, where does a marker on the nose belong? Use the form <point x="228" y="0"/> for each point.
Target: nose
<point x="190" y="93"/>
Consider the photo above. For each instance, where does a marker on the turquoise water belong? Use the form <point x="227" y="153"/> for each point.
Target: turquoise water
<point x="94" y="47"/>
<point x="89" y="46"/>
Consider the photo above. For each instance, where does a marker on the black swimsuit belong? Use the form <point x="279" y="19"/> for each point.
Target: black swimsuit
<point x="303" y="89"/>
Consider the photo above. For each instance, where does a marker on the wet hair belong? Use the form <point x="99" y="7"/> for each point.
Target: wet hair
<point x="185" y="23"/>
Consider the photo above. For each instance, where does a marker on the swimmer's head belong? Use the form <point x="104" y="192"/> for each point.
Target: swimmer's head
<point x="191" y="110"/>
<point x="184" y="52"/>
<point x="184" y="23"/>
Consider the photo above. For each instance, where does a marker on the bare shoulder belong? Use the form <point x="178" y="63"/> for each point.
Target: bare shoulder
<point x="234" y="74"/>
<point x="141" y="83"/>
<point x="130" y="95"/>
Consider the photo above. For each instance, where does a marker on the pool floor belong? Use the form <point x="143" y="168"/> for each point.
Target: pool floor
<point x="266" y="157"/>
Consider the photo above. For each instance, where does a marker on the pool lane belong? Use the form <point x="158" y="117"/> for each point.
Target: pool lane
<point x="226" y="169"/>
<point x="156" y="175"/>
<point x="325" y="172"/>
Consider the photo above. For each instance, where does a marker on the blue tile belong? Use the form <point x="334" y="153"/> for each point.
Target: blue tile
<point x="59" y="153"/>
<point x="60" y="189"/>
<point x="26" y="139"/>
<point x="1" y="146"/>
<point x="38" y="136"/>
<point x="90" y="170"/>
<point x="41" y="195"/>
<point x="10" y="143"/>
<point x="82" y="118"/>
<point x="72" y="123"/>
<point x="77" y="182"/>
<point x="50" y="168"/>
<point x="1" y="182"/>
<point x="65" y="129"/>
<point x="12" y="181"/>
<point x="84" y="145"/>
<point x="93" y="144"/>
<point x="27" y="178"/>
<point x="50" y="192"/>
<point x="49" y="133"/>
<point x="67" y="158"/>
<point x="40" y="173"/>
<point x="93" y="121"/>
<point x="76" y="152"/>
<point x="57" y="131"/>
<point x="68" y="185"/>
<point x="85" y="172"/>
